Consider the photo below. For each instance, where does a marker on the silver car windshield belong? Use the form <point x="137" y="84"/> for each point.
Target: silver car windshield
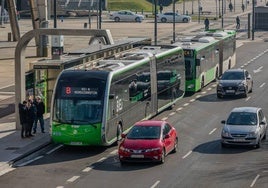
<point x="242" y="118"/>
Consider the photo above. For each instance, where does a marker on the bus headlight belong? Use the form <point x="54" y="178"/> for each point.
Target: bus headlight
<point x="190" y="86"/>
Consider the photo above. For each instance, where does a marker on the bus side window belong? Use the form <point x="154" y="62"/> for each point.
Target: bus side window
<point x="198" y="62"/>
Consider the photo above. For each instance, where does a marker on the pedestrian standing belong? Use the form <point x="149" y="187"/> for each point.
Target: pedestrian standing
<point x="23" y="119"/>
<point x="237" y="22"/>
<point x="230" y="6"/>
<point x="206" y="22"/>
<point x="243" y="7"/>
<point x="30" y="117"/>
<point x="161" y="8"/>
<point x="40" y="110"/>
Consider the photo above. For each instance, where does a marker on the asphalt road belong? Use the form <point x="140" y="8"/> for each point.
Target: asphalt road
<point x="200" y="161"/>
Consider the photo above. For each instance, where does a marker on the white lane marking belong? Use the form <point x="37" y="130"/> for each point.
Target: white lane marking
<point x="164" y="118"/>
<point x="72" y="179"/>
<point x="179" y="109"/>
<point x="204" y="92"/>
<point x="30" y="161"/>
<point x="212" y="131"/>
<point x="87" y="169"/>
<point x="113" y="152"/>
<point x="155" y="184"/>
<point x="242" y="66"/>
<point x="214" y="85"/>
<point x="7" y="86"/>
<point x="172" y="113"/>
<point x="101" y="159"/>
<point x="192" y="100"/>
<point x="56" y="148"/>
<point x="60" y="187"/>
<point x="6" y="170"/>
<point x="262" y="84"/>
<point x="258" y="69"/>
<point x="198" y="96"/>
<point x="208" y="89"/>
<point x="189" y="153"/>
<point x="254" y="181"/>
<point x="248" y="98"/>
<point x="186" y="104"/>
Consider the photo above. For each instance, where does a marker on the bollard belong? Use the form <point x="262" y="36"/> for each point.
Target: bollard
<point x="9" y="37"/>
<point x="85" y="25"/>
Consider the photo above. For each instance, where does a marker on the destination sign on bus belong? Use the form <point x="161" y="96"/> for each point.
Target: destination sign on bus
<point x="188" y="53"/>
<point x="79" y="92"/>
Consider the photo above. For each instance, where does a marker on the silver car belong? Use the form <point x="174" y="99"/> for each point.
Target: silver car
<point x="125" y="15"/>
<point x="244" y="126"/>
<point x="168" y="17"/>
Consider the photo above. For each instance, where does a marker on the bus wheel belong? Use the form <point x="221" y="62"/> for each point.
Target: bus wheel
<point x="119" y="132"/>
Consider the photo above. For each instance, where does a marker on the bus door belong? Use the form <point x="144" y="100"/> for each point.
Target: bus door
<point x="198" y="67"/>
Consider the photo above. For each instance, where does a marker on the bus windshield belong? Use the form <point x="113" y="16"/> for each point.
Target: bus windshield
<point x="78" y="111"/>
<point x="79" y="103"/>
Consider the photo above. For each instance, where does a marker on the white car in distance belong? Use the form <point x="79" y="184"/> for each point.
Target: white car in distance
<point x="168" y="17"/>
<point x="125" y="15"/>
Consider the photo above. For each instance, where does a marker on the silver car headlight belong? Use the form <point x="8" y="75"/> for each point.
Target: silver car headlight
<point x="225" y="133"/>
<point x="252" y="134"/>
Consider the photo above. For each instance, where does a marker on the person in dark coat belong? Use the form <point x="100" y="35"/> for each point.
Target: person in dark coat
<point x="40" y="110"/>
<point x="30" y="117"/>
<point x="237" y="22"/>
<point x="23" y="119"/>
<point x="206" y="22"/>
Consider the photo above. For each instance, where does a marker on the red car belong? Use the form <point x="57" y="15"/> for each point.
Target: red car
<point x="147" y="141"/>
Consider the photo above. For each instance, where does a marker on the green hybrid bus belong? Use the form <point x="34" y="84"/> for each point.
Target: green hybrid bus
<point x="93" y="106"/>
<point x="227" y="47"/>
<point x="207" y="55"/>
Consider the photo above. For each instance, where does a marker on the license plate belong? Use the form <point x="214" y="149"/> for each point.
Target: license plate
<point x="137" y="156"/>
<point x="230" y="91"/>
<point x="239" y="140"/>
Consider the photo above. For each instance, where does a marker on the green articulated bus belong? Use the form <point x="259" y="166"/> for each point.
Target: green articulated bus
<point x="93" y="106"/>
<point x="207" y="56"/>
<point x="227" y="47"/>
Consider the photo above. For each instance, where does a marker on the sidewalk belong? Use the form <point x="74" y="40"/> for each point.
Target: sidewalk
<point x="12" y="147"/>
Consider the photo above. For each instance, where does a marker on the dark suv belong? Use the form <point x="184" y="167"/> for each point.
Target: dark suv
<point x="234" y="82"/>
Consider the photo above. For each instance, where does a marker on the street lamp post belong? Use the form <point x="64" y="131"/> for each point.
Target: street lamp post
<point x="220" y="8"/>
<point x="253" y="18"/>
<point x="222" y="14"/>
<point x="192" y="6"/>
<point x="199" y="6"/>
<point x="183" y="7"/>
<point x="174" y="21"/>
<point x="100" y="9"/>
<point x="55" y="13"/>
<point x="155" y="22"/>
